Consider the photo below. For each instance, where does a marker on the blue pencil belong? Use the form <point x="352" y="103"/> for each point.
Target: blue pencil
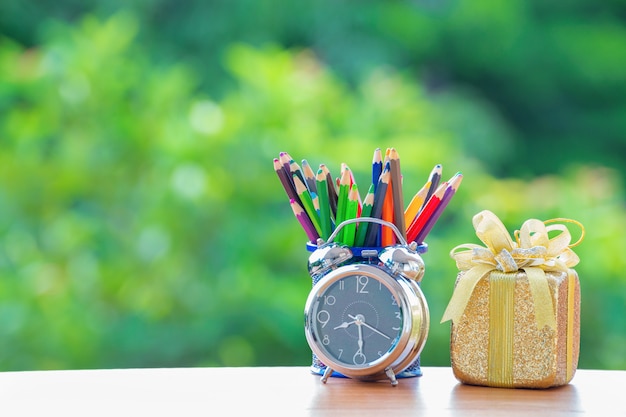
<point x="377" y="167"/>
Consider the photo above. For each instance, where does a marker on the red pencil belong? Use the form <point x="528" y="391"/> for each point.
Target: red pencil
<point x="453" y="186"/>
<point x="429" y="208"/>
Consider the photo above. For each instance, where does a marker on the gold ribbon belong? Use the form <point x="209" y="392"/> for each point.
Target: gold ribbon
<point x="569" y="354"/>
<point x="501" y="325"/>
<point x="532" y="251"/>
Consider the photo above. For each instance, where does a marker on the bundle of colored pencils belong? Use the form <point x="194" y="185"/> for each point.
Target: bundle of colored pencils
<point x="320" y="203"/>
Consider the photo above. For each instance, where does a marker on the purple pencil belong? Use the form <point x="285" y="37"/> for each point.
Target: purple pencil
<point x="304" y="220"/>
<point x="285" y="180"/>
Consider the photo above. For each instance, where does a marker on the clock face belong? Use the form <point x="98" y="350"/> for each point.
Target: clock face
<point x="356" y="320"/>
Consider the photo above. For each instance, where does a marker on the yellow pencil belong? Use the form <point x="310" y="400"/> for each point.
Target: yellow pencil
<point x="416" y="203"/>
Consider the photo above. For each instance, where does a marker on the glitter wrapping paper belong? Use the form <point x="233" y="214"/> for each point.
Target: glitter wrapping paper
<point x="515" y="308"/>
<point x="509" y="349"/>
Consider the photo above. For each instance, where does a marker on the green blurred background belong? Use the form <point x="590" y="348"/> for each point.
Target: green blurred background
<point x="141" y="221"/>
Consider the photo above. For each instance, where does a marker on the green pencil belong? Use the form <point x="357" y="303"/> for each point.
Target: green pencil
<point x="366" y="211"/>
<point x="352" y="208"/>
<point x="342" y="201"/>
<point x="307" y="203"/>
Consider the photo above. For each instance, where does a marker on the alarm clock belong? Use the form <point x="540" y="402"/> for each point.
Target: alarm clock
<point x="366" y="317"/>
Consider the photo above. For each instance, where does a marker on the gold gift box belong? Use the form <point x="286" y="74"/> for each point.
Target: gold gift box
<point x="515" y="308"/>
<point x="497" y="342"/>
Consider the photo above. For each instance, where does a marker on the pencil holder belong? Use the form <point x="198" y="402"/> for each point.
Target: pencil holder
<point x="366" y="311"/>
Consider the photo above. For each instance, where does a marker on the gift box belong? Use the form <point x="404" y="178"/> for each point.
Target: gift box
<point x="515" y="308"/>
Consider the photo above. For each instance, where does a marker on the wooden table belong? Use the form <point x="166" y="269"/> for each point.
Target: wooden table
<point x="294" y="391"/>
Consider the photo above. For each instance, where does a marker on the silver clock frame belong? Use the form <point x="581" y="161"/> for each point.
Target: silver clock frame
<point x="412" y="336"/>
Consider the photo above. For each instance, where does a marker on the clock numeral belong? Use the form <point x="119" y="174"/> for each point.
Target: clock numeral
<point x="323" y="317"/>
<point x="361" y="283"/>
<point x="326" y="340"/>
<point x="359" y="358"/>
<point x="329" y="300"/>
<point x="340" y="353"/>
<point x="393" y="301"/>
<point x="342" y="285"/>
<point x="399" y="317"/>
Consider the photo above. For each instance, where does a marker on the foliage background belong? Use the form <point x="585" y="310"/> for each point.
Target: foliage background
<point x="142" y="225"/>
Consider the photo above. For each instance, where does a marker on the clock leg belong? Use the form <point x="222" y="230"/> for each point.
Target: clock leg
<point x="391" y="376"/>
<point x="327" y="373"/>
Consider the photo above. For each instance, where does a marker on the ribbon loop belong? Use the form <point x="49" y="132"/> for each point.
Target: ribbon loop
<point x="506" y="262"/>
<point x="532" y="251"/>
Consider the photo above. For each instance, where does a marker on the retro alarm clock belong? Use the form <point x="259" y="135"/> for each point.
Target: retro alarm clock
<point x="366" y="317"/>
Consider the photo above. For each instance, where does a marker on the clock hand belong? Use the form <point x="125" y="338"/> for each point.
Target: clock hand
<point x="375" y="330"/>
<point x="360" y="320"/>
<point x="344" y="325"/>
<point x="360" y="341"/>
<point x="359" y="357"/>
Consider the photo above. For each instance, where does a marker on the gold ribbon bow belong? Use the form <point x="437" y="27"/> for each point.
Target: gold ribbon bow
<point x="532" y="251"/>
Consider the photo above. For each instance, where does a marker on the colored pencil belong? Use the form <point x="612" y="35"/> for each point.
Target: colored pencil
<point x="429" y="208"/>
<point x="366" y="211"/>
<point x="304" y="220"/>
<point x="285" y="180"/>
<point x="377" y="209"/>
<point x="453" y="185"/>
<point x="416" y="204"/>
<point x="321" y="202"/>
<point x="316" y="203"/>
<point x="387" y="236"/>
<point x="322" y="189"/>
<point x="396" y="189"/>
<point x="297" y="171"/>
<point x="332" y="191"/>
<point x="309" y="176"/>
<point x="307" y="203"/>
<point x="286" y="159"/>
<point x="342" y="200"/>
<point x="349" y="230"/>
<point x="435" y="179"/>
<point x="377" y="167"/>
